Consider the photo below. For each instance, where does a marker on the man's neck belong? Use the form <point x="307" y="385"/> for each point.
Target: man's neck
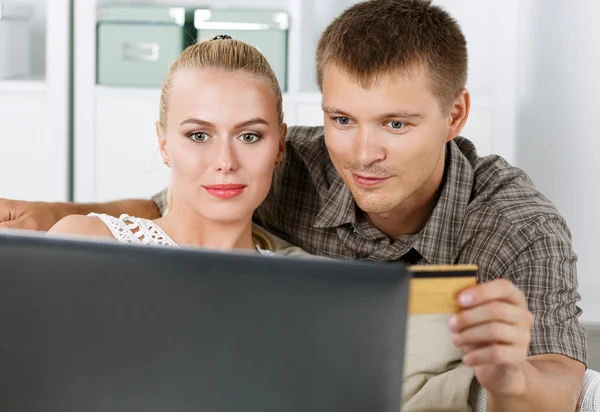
<point x="186" y="227"/>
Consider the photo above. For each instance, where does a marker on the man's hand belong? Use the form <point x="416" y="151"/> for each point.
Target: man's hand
<point x="15" y="214"/>
<point x="494" y="328"/>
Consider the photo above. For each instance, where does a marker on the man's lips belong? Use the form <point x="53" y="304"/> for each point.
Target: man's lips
<point x="368" y="181"/>
<point x="225" y="191"/>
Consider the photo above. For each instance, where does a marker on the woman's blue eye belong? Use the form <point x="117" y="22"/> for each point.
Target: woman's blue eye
<point x="343" y="120"/>
<point x="199" y="137"/>
<point x="250" y="138"/>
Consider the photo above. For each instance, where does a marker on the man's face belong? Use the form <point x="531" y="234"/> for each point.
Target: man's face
<point x="387" y="142"/>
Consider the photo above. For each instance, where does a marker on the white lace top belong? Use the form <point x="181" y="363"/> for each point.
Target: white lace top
<point x="135" y="230"/>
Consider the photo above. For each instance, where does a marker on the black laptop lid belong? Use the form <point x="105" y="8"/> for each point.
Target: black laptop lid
<point x="96" y="326"/>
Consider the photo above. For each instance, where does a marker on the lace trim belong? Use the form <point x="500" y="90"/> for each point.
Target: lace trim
<point x="135" y="230"/>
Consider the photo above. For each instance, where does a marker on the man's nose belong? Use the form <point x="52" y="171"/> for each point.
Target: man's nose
<point x="368" y="148"/>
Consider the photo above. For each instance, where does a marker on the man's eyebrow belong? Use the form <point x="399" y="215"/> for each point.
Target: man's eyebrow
<point x="404" y="114"/>
<point x="334" y="110"/>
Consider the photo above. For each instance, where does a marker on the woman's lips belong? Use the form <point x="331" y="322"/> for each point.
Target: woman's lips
<point x="225" y="191"/>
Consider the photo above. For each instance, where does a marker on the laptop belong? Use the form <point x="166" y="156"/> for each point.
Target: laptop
<point x="90" y="326"/>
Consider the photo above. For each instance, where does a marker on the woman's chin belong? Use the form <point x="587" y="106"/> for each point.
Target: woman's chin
<point x="227" y="216"/>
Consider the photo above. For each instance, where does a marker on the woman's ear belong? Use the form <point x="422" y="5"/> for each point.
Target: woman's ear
<point x="281" y="145"/>
<point x="162" y="145"/>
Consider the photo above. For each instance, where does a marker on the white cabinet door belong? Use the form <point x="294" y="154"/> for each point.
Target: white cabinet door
<point x="127" y="160"/>
<point x="32" y="165"/>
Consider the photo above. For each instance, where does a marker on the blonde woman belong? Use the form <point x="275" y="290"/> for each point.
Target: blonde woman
<point x="221" y="132"/>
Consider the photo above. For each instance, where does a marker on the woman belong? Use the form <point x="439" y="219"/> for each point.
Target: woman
<point x="221" y="132"/>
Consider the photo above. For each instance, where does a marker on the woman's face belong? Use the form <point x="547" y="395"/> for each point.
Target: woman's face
<point x="222" y="141"/>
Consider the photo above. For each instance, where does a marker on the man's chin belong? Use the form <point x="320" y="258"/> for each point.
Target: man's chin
<point x="375" y="204"/>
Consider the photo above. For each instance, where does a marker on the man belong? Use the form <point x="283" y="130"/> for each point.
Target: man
<point x="388" y="178"/>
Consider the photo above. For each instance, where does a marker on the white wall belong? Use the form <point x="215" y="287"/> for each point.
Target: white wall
<point x="557" y="126"/>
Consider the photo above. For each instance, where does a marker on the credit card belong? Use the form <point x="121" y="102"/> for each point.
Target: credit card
<point x="435" y="288"/>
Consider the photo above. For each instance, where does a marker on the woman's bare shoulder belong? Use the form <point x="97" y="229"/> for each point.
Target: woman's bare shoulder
<point x="80" y="225"/>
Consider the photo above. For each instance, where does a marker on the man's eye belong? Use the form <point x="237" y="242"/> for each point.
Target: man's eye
<point x="397" y="125"/>
<point x="199" y="137"/>
<point x="343" y="120"/>
<point x="250" y="138"/>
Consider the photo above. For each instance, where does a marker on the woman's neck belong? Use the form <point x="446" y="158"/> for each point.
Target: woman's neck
<point x="188" y="228"/>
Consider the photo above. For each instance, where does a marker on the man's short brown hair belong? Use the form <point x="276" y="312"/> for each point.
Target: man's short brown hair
<point x="381" y="37"/>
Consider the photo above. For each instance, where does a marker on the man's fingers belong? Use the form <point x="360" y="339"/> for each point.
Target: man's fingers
<point x="6" y="225"/>
<point x="497" y="354"/>
<point x="497" y="311"/>
<point x="491" y="333"/>
<point x="19" y="224"/>
<point x="499" y="289"/>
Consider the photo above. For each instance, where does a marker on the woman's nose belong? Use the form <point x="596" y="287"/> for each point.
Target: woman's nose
<point x="226" y="161"/>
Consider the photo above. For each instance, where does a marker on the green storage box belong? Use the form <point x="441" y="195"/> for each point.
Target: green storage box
<point x="138" y="44"/>
<point x="266" y="30"/>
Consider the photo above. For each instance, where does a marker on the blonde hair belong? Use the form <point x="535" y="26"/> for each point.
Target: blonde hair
<point x="230" y="56"/>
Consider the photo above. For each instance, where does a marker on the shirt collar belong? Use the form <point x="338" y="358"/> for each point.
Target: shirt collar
<point x="437" y="241"/>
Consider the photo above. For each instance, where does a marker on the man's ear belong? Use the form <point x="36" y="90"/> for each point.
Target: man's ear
<point x="459" y="113"/>
<point x="282" y="144"/>
<point x="162" y="145"/>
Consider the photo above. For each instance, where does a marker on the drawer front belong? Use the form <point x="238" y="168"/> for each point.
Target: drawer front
<point x="271" y="43"/>
<point x="137" y="55"/>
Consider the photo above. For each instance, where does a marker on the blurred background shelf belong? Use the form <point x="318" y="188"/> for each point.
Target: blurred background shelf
<point x="37" y="23"/>
<point x="35" y="110"/>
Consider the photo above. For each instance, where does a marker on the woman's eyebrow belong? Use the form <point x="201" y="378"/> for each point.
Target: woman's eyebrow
<point x="250" y="122"/>
<point x="256" y="120"/>
<point x="197" y="121"/>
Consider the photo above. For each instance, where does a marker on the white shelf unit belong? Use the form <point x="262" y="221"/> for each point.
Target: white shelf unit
<point x="115" y="149"/>
<point x="33" y="84"/>
<point x="35" y="112"/>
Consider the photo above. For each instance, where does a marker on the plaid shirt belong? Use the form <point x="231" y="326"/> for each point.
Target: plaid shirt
<point x="488" y="213"/>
